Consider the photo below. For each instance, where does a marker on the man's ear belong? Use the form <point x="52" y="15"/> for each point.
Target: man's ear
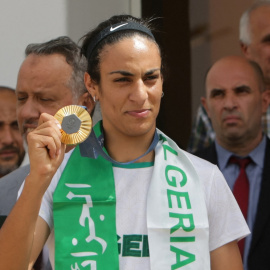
<point x="244" y="49"/>
<point x="265" y="100"/>
<point x="87" y="101"/>
<point x="204" y="104"/>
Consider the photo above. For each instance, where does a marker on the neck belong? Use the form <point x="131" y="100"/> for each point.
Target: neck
<point x="241" y="147"/>
<point x="128" y="148"/>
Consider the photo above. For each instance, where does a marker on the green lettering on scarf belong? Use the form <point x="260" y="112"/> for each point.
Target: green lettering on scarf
<point x="85" y="215"/>
<point x="179" y="254"/>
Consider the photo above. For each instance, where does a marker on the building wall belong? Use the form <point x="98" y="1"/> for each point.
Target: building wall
<point x="214" y="34"/>
<point x="31" y="21"/>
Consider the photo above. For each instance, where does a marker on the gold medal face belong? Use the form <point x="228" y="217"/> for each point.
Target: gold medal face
<point x="76" y="124"/>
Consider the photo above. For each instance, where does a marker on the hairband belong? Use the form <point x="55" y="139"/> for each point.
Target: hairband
<point x="115" y="28"/>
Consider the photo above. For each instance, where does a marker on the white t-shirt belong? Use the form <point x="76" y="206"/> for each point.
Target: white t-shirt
<point x="226" y="222"/>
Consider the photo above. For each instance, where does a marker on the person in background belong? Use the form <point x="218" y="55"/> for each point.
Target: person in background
<point x="50" y="77"/>
<point x="235" y="100"/>
<point x="11" y="142"/>
<point x="254" y="36"/>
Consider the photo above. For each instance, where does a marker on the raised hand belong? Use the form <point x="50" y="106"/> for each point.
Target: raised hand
<point x="46" y="151"/>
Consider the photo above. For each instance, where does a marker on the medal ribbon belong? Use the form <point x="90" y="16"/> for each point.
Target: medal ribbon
<point x="92" y="147"/>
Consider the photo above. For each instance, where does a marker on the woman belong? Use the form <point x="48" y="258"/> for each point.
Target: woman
<point x="141" y="202"/>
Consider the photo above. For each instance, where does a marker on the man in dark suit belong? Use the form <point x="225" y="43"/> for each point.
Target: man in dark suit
<point x="235" y="101"/>
<point x="254" y="36"/>
<point x="50" y="77"/>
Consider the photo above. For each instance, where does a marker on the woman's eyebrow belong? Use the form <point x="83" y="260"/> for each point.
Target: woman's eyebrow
<point x="151" y="71"/>
<point x="127" y="73"/>
<point x="122" y="72"/>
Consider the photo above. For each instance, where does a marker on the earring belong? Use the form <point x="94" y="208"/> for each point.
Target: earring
<point x="94" y="98"/>
<point x="162" y="95"/>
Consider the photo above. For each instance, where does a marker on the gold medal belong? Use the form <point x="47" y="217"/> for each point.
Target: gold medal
<point x="76" y="124"/>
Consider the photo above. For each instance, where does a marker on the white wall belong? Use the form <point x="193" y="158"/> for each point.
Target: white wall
<point x="30" y="21"/>
<point x="89" y="13"/>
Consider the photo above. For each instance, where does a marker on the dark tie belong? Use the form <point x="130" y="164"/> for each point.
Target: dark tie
<point x="241" y="191"/>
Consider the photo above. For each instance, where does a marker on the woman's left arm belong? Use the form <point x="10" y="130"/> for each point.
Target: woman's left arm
<point x="226" y="257"/>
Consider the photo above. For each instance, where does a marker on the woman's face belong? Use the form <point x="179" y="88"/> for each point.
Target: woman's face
<point x="130" y="87"/>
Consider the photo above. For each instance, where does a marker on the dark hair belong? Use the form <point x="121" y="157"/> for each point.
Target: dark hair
<point x="71" y="51"/>
<point x="93" y="67"/>
<point x="7" y="89"/>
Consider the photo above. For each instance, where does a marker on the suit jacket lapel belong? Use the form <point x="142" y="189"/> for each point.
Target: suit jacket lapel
<point x="263" y="211"/>
<point x="209" y="154"/>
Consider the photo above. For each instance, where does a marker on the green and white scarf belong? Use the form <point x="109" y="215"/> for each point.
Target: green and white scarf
<point x="177" y="222"/>
<point x="84" y="207"/>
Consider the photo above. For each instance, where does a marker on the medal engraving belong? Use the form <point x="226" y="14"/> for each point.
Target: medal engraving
<point x="71" y="124"/>
<point x="76" y="124"/>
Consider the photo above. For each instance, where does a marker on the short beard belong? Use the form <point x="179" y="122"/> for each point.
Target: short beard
<point x="8" y="169"/>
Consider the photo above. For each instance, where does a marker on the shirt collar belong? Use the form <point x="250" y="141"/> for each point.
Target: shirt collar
<point x="257" y="154"/>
